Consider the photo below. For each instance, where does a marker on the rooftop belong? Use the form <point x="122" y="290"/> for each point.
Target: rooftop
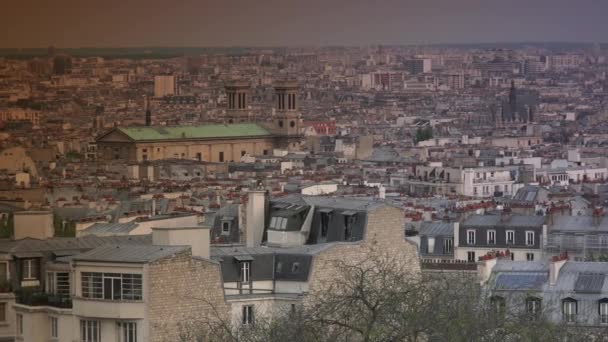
<point x="194" y="132"/>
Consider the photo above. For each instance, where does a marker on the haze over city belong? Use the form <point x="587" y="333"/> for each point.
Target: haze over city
<point x="113" y="23"/>
<point x="303" y="171"/>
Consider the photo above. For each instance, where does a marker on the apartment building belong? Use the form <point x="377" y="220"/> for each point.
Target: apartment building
<point x="126" y="293"/>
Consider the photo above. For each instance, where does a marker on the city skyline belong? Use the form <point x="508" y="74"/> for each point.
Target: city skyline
<point x="314" y="23"/>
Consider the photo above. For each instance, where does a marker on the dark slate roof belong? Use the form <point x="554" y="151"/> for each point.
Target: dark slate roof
<point x="498" y="220"/>
<point x="521" y="281"/>
<point x="129" y="254"/>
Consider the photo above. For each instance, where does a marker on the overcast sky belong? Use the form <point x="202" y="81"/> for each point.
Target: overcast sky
<point x="122" y="23"/>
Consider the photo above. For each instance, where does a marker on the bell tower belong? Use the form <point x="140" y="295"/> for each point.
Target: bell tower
<point x="288" y="117"/>
<point x="237" y="94"/>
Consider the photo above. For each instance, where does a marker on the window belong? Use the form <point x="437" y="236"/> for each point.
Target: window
<point x="225" y="228"/>
<point x="245" y="271"/>
<point x="470" y="237"/>
<point x="533" y="306"/>
<point x="265" y="152"/>
<point x="19" y="325"/>
<point x="491" y="237"/>
<point x="4" y="272"/>
<point x="529" y="238"/>
<point x="510" y="237"/>
<point x="53" y="323"/>
<point x="247" y="314"/>
<point x="324" y="224"/>
<point x="58" y="283"/>
<point x="603" y="310"/>
<point x="448" y="246"/>
<point x="112" y="286"/>
<point x="569" y="309"/>
<point x="498" y="305"/>
<point x="349" y="221"/>
<point x="29" y="269"/>
<point x="199" y="156"/>
<point x="128" y="332"/>
<point x="243" y="153"/>
<point x="530" y="256"/>
<point x="471" y="256"/>
<point x="278" y="222"/>
<point x="295" y="267"/>
<point x="221" y="157"/>
<point x="90" y="331"/>
<point x="2" y="312"/>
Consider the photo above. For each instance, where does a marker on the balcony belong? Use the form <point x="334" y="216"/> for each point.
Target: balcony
<point x="111" y="309"/>
<point x="37" y="298"/>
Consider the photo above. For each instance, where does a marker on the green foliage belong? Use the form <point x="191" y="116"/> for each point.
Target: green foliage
<point x="7" y="227"/>
<point x="423" y="134"/>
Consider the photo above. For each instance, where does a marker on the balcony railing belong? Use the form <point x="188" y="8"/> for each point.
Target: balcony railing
<point x="44" y="299"/>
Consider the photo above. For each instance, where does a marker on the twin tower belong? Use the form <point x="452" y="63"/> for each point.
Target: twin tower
<point x="287" y="118"/>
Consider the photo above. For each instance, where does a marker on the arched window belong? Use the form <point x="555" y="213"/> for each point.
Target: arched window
<point x="569" y="309"/>
<point x="281" y="123"/>
<point x="292" y="124"/>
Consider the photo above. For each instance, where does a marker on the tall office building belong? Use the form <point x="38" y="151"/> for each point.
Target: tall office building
<point x="165" y="85"/>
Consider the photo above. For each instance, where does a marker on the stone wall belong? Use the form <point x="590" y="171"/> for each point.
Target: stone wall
<point x="185" y="293"/>
<point x="384" y="235"/>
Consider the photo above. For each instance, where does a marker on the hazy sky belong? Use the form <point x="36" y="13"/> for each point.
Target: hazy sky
<point x="103" y="23"/>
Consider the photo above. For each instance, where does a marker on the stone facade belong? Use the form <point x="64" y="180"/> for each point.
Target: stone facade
<point x="184" y="294"/>
<point x="384" y="234"/>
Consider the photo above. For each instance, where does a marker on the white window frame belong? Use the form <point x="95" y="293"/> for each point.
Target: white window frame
<point x="54" y="326"/>
<point x="474" y="233"/>
<point x="569" y="310"/>
<point x="128" y="331"/>
<point x="90" y="330"/>
<point x="529" y="233"/>
<point x="512" y="242"/>
<point x="28" y="265"/>
<point x="474" y="256"/>
<point x="245" y="271"/>
<point x="448" y="245"/>
<point x="530" y="256"/>
<point x="493" y="233"/>
<point x="603" y="311"/>
<point x="533" y="305"/>
<point x="4" y="264"/>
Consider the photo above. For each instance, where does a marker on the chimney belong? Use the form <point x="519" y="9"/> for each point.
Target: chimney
<point x="555" y="266"/>
<point x="598" y="212"/>
<point x="198" y="238"/>
<point x="148" y="111"/>
<point x="256" y="217"/>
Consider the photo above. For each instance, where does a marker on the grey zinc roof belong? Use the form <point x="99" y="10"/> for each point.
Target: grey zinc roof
<point x="129" y="254"/>
<point x="521" y="281"/>
<point x="498" y="220"/>
<point x="589" y="282"/>
<point x="59" y="244"/>
<point x="578" y="223"/>
<point x="436" y="229"/>
<point x="111" y="228"/>
<point x="332" y="202"/>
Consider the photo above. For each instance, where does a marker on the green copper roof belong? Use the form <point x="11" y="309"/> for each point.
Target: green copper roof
<point x="195" y="132"/>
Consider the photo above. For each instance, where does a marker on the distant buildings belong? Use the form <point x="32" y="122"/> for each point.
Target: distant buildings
<point x="165" y="85"/>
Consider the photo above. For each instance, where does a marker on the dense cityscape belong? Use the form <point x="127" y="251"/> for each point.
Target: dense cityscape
<point x="372" y="192"/>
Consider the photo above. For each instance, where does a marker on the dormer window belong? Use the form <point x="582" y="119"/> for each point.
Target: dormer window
<point x="245" y="271"/>
<point x="325" y="217"/>
<point x="226" y="228"/>
<point x="295" y="267"/>
<point x="29" y="269"/>
<point x="569" y="309"/>
<point x="603" y="310"/>
<point x="349" y="222"/>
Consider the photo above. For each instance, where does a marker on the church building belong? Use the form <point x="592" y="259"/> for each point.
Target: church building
<point x="239" y="134"/>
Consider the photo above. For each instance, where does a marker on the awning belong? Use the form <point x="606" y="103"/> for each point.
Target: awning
<point x="326" y="210"/>
<point x="243" y="258"/>
<point x="349" y="213"/>
<point x="25" y="255"/>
